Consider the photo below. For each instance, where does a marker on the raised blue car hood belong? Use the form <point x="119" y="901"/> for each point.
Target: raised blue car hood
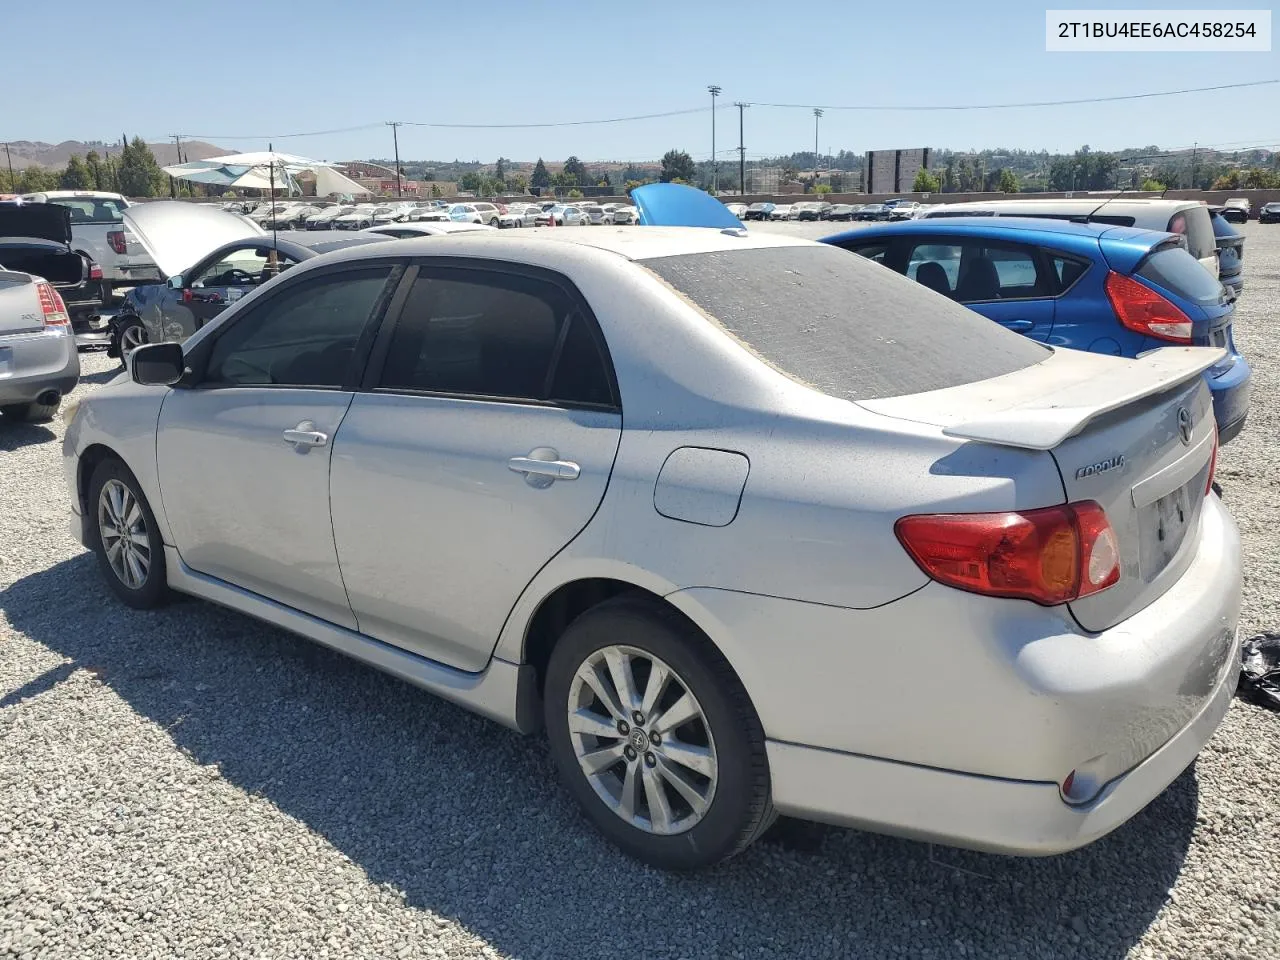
<point x="678" y="205"/>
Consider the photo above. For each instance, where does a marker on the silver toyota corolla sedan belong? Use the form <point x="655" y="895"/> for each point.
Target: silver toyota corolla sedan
<point x="750" y="525"/>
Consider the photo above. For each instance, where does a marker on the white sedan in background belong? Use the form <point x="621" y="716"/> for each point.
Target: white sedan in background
<point x="519" y="215"/>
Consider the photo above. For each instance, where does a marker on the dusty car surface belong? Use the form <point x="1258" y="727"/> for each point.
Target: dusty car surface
<point x="671" y="493"/>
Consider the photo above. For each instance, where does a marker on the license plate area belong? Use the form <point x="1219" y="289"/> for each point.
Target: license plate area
<point x="1163" y="526"/>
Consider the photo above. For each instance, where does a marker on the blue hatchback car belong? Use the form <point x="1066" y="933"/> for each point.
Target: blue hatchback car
<point x="1089" y="286"/>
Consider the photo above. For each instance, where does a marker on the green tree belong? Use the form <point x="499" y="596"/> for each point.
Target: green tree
<point x="540" y="179"/>
<point x="575" y="172"/>
<point x="575" y="194"/>
<point x="1008" y="182"/>
<point x="37" y="180"/>
<point x="677" y="166"/>
<point x="435" y="191"/>
<point x="1258" y="179"/>
<point x="500" y="170"/>
<point x="1153" y="185"/>
<point x="76" y="176"/>
<point x="926" y="182"/>
<point x="470" y="182"/>
<point x="822" y="188"/>
<point x="1228" y="181"/>
<point x="139" y="175"/>
<point x="949" y="179"/>
<point x="518" y="183"/>
<point x="97" y="172"/>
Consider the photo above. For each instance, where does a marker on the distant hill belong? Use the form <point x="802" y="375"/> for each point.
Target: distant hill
<point x="27" y="153"/>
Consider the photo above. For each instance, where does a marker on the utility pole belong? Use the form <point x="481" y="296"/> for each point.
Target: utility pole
<point x="715" y="168"/>
<point x="742" y="151"/>
<point x="817" y="115"/>
<point x="13" y="183"/>
<point x="1195" y="147"/>
<point x="395" y="139"/>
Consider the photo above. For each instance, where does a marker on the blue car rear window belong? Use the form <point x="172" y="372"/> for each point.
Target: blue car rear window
<point x="1181" y="274"/>
<point x="844" y="325"/>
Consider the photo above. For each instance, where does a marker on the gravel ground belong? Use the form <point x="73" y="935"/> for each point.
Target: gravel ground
<point x="189" y="783"/>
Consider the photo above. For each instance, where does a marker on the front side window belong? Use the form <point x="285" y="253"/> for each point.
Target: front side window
<point x="240" y="268"/>
<point x="487" y="334"/>
<point x="304" y="336"/>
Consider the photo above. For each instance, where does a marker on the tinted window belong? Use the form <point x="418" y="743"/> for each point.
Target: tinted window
<point x="1178" y="272"/>
<point x="1068" y="271"/>
<point x="872" y="251"/>
<point x="304" y="336"/>
<point x="477" y="333"/>
<point x="843" y="325"/>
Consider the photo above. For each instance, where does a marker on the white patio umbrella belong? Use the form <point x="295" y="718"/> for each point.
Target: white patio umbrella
<point x="263" y="170"/>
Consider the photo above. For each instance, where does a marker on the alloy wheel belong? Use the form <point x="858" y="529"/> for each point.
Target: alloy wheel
<point x="642" y="740"/>
<point x="122" y="526"/>
<point x="133" y="336"/>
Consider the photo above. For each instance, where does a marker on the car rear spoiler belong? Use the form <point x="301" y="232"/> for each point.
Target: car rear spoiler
<point x="1039" y="407"/>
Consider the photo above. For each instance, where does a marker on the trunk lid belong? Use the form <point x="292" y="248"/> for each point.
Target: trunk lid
<point x="43" y="221"/>
<point x="19" y="304"/>
<point x="1135" y="436"/>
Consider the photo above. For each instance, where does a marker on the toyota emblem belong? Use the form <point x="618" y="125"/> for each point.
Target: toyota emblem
<point x="1184" y="424"/>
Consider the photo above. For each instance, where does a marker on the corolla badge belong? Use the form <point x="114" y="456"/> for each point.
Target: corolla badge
<point x="1184" y="424"/>
<point x="1102" y="466"/>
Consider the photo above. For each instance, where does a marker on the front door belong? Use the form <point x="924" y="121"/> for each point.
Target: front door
<point x="482" y="448"/>
<point x="243" y="456"/>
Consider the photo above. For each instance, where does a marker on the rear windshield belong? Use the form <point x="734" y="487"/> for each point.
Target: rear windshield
<point x="91" y="209"/>
<point x="1181" y="274"/>
<point x="846" y="326"/>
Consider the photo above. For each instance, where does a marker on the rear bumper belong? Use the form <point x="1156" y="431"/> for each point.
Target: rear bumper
<point x="954" y="717"/>
<point x="1232" y="390"/>
<point x="982" y="813"/>
<point x="37" y="362"/>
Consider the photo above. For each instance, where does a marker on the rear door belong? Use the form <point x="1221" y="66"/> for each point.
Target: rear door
<point x="482" y="445"/>
<point x="1005" y="282"/>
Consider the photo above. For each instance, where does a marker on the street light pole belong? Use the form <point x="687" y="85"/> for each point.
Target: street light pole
<point x="715" y="169"/>
<point x="395" y="139"/>
<point x="742" y="151"/>
<point x="817" y="115"/>
<point x="13" y="183"/>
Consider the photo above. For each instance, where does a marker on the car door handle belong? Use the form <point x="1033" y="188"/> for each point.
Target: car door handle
<point x="1018" y="325"/>
<point x="305" y="434"/>
<point x="544" y="465"/>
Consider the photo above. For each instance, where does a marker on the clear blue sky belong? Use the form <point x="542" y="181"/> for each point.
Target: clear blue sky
<point x="157" y="68"/>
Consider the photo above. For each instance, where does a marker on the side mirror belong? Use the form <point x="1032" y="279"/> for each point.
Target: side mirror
<point x="176" y="282"/>
<point x="157" y="364"/>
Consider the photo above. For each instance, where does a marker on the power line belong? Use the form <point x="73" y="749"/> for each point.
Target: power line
<point x="1011" y="106"/>
<point x="558" y="123"/>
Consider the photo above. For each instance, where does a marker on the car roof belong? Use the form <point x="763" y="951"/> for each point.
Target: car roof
<point x="644" y="243"/>
<point x="1131" y="206"/>
<point x="1008" y="228"/>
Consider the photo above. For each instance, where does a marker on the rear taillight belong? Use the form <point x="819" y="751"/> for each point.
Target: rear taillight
<point x="1142" y="310"/>
<point x="116" y="239"/>
<point x="51" y="305"/>
<point x="1050" y="556"/>
<point x="95" y="272"/>
<point x="1213" y="461"/>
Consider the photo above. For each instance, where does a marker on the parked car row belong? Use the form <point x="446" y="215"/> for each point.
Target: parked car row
<point x="822" y="210"/>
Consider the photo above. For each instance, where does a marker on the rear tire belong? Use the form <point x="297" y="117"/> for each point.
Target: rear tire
<point x="30" y="412"/>
<point x="125" y="537"/>
<point x="677" y="797"/>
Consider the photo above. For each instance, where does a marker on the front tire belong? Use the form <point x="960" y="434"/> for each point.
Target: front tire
<point x="655" y="737"/>
<point x="130" y="334"/>
<point x="126" y="539"/>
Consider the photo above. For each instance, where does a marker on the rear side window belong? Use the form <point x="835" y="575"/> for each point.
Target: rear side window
<point x="489" y="334"/>
<point x="1194" y="224"/>
<point x="843" y="325"/>
<point x="1178" y="272"/>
